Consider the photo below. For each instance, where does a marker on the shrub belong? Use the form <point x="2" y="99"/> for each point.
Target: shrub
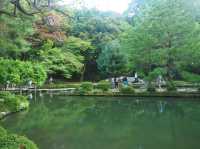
<point x="2" y="132"/>
<point x="190" y="77"/>
<point x="127" y="90"/>
<point x="20" y="72"/>
<point x="103" y="85"/>
<point x="14" y="102"/>
<point x="170" y="86"/>
<point x="11" y="141"/>
<point x="155" y="73"/>
<point x="151" y="88"/>
<point x="86" y="87"/>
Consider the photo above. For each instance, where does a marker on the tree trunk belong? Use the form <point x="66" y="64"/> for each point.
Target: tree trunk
<point x="169" y="58"/>
<point x="149" y="52"/>
<point x="82" y="74"/>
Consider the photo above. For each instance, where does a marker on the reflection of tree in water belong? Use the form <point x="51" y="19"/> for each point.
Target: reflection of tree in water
<point x="127" y="121"/>
<point x="101" y="111"/>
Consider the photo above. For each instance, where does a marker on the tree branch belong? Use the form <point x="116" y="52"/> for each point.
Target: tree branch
<point x="6" y="13"/>
<point x="33" y="5"/>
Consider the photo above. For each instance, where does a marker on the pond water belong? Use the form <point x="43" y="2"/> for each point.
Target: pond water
<point x="62" y="122"/>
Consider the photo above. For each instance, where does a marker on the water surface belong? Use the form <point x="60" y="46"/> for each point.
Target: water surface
<point x="61" y="122"/>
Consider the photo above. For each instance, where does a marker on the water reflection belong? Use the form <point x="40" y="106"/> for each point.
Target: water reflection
<point x="58" y="122"/>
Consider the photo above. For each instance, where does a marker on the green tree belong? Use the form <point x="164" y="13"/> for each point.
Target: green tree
<point x="59" y="63"/>
<point x="99" y="28"/>
<point x="82" y="48"/>
<point x="13" y="36"/>
<point x="160" y="36"/>
<point x="19" y="73"/>
<point x="111" y="62"/>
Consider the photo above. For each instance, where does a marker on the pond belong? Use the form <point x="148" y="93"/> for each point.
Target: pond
<point x="62" y="122"/>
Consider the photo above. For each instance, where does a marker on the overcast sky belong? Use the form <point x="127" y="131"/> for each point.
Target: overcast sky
<point x="105" y="5"/>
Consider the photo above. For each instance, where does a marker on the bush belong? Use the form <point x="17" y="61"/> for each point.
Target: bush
<point x="14" y="102"/>
<point x="86" y="87"/>
<point x="151" y="88"/>
<point x="19" y="72"/>
<point x="2" y="132"/>
<point x="170" y="86"/>
<point x="155" y="73"/>
<point x="190" y="77"/>
<point x="103" y="85"/>
<point x="11" y="141"/>
<point x="127" y="90"/>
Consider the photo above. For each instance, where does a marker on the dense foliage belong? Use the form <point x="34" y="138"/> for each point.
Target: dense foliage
<point x="58" y="62"/>
<point x="154" y="37"/>
<point x="86" y="87"/>
<point x="20" y="73"/>
<point x="12" y="141"/>
<point x="164" y="36"/>
<point x="103" y="85"/>
<point x="111" y="61"/>
<point x="12" y="103"/>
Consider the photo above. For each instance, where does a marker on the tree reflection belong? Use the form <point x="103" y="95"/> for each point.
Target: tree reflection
<point x="120" y="121"/>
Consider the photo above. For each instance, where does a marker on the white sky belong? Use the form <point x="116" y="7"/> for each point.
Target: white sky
<point x="104" y="5"/>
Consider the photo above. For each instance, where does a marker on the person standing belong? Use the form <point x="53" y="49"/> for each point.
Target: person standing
<point x="30" y="83"/>
<point x="125" y="81"/>
<point x="159" y="81"/>
<point x="116" y="82"/>
<point x="136" y="77"/>
<point x="7" y="84"/>
<point x="113" y="83"/>
<point x="50" y="80"/>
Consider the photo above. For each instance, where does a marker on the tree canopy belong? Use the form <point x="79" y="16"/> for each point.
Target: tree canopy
<point x="151" y="37"/>
<point x="164" y="33"/>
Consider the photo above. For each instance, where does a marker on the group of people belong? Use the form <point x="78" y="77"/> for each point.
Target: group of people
<point x="125" y="81"/>
<point x="121" y="80"/>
